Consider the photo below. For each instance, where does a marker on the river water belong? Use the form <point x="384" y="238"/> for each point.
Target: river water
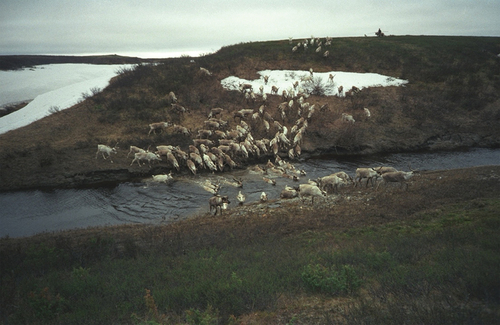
<point x="25" y="213"/>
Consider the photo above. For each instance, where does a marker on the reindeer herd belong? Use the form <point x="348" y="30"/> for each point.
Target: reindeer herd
<point x="317" y="188"/>
<point x="217" y="148"/>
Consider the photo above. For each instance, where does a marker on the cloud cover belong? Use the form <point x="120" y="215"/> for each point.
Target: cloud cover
<point x="129" y="27"/>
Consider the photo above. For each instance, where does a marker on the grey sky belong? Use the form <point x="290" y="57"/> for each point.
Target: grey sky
<point x="133" y="27"/>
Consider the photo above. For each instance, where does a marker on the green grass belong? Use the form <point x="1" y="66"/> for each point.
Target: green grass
<point x="442" y="268"/>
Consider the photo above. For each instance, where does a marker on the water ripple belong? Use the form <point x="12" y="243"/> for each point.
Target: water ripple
<point x="149" y="202"/>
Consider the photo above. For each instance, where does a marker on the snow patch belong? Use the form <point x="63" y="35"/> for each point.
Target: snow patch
<point x="54" y="87"/>
<point x="284" y="79"/>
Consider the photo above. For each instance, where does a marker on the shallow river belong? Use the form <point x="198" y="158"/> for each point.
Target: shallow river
<point x="24" y="213"/>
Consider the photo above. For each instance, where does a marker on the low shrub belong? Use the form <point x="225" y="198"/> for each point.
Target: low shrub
<point x="331" y="280"/>
<point x="317" y="87"/>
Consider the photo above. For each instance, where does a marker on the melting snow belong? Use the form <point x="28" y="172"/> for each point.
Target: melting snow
<point x="52" y="86"/>
<point x="283" y="79"/>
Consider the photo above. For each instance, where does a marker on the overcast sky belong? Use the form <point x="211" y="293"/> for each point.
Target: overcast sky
<point x="151" y="28"/>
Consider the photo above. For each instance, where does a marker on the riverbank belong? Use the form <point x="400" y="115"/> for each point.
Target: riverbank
<point x="427" y="190"/>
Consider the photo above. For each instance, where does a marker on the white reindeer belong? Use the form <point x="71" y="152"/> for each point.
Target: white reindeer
<point x="348" y="118"/>
<point x="172" y="97"/>
<point x="145" y="156"/>
<point x="209" y="163"/>
<point x="241" y="198"/>
<point x="310" y="190"/>
<point x="104" y="149"/>
<point x="205" y="71"/>
<point x="367" y="112"/>
<point x="163" y="178"/>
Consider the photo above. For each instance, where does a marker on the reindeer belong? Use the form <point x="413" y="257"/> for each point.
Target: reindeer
<point x="245" y="87"/>
<point x="348" y="118"/>
<point x="384" y="169"/>
<point x="310" y="190"/>
<point x="134" y="149"/>
<point x="397" y="177"/>
<point x="289" y="193"/>
<point x="172" y="97"/>
<point x="215" y="111"/>
<point x="145" y="156"/>
<point x="191" y="165"/>
<point x="181" y="130"/>
<point x="367" y="112"/>
<point x="172" y="160"/>
<point x="160" y="125"/>
<point x="179" y="109"/>
<point x="205" y="72"/>
<point x="344" y="176"/>
<point x="330" y="182"/>
<point x="355" y="90"/>
<point x="104" y="149"/>
<point x="203" y="134"/>
<point x="241" y="198"/>
<point x="163" y="178"/>
<point x="269" y="180"/>
<point x="368" y="173"/>
<point x="206" y="142"/>
<point x="217" y="202"/>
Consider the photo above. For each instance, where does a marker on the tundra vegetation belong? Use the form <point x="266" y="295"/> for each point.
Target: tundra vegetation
<point x="426" y="255"/>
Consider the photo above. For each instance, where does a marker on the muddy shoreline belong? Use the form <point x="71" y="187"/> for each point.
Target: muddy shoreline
<point x="109" y="177"/>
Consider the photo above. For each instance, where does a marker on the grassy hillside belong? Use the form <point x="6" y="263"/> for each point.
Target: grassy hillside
<point x="452" y="100"/>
